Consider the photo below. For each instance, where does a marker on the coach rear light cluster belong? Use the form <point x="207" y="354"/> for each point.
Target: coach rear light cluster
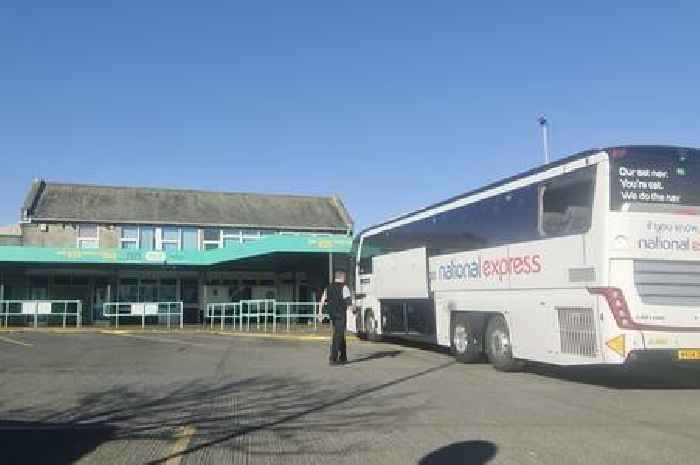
<point x="618" y="305"/>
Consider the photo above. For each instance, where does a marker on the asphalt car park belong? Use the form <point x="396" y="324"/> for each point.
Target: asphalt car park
<point x="183" y="398"/>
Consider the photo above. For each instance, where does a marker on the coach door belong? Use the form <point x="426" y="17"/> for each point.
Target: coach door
<point x="393" y="317"/>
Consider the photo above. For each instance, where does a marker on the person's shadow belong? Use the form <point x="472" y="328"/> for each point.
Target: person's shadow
<point x="461" y="453"/>
<point x="375" y="356"/>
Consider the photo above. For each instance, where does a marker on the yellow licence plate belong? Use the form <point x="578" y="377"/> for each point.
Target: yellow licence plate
<point x="689" y="354"/>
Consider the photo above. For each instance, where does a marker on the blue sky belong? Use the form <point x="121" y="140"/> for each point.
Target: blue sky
<point x="392" y="105"/>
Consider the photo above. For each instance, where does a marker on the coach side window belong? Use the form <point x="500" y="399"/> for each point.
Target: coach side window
<point x="566" y="203"/>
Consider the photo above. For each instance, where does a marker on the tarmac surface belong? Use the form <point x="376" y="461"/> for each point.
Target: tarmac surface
<point x="124" y="397"/>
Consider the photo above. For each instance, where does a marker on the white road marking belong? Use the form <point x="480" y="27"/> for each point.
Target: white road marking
<point x="12" y="341"/>
<point x="162" y="339"/>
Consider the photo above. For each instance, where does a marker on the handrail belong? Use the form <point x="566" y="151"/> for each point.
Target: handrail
<point x="143" y="309"/>
<point x="36" y="308"/>
<point x="266" y="309"/>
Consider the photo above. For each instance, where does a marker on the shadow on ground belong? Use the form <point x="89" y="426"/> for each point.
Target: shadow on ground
<point x="243" y="415"/>
<point x="674" y="376"/>
<point x="50" y="444"/>
<point x="619" y="377"/>
<point x="462" y="453"/>
<point x="416" y="344"/>
<point x="375" y="356"/>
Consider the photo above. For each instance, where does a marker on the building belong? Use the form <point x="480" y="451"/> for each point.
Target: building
<point x="103" y="244"/>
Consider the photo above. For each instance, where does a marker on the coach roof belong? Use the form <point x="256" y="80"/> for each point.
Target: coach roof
<point x="525" y="174"/>
<point x="49" y="201"/>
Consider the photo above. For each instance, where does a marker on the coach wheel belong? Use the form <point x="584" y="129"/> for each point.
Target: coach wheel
<point x="498" y="346"/>
<point x="465" y="346"/>
<point x="371" y="326"/>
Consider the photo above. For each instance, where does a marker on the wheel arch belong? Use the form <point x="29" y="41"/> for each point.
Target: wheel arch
<point x="477" y="319"/>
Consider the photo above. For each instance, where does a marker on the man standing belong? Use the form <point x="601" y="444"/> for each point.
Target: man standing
<point x="338" y="297"/>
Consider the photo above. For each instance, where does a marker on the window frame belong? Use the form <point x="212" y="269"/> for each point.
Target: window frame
<point x="250" y="235"/>
<point x="231" y="236"/>
<point x="205" y="242"/>
<point x="80" y="239"/>
<point x="134" y="240"/>
<point x="161" y="241"/>
<point x="154" y="238"/>
<point x="197" y="235"/>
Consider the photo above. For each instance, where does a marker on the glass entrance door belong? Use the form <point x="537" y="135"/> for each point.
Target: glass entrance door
<point x="99" y="298"/>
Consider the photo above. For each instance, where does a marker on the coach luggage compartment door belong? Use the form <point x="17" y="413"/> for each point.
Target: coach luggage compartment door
<point x="400" y="283"/>
<point x="552" y="313"/>
<point x="401" y="275"/>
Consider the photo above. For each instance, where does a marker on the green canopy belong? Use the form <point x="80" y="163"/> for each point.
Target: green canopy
<point x="280" y="243"/>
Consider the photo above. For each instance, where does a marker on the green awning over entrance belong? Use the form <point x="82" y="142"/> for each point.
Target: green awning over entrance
<point x="280" y="243"/>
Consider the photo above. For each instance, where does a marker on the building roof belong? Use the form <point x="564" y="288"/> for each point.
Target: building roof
<point x="58" y="202"/>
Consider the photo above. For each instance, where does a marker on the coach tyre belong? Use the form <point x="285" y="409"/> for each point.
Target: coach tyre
<point x="498" y="347"/>
<point x="464" y="344"/>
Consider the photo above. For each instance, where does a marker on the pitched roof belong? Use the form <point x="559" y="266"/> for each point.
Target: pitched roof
<point x="49" y="201"/>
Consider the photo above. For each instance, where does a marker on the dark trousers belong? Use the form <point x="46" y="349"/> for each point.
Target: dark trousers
<point x="338" y="353"/>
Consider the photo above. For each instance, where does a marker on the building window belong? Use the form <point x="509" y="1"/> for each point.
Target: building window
<point x="170" y="239"/>
<point x="231" y="237"/>
<point x="128" y="290"/>
<point x="148" y="290"/>
<point x="129" y="238"/>
<point x="168" y="290"/>
<point x="189" y="239"/>
<point x="231" y="242"/>
<point x="211" y="238"/>
<point x="88" y="236"/>
<point x="189" y="291"/>
<point x="170" y="247"/>
<point x="147" y="239"/>
<point x="250" y="235"/>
